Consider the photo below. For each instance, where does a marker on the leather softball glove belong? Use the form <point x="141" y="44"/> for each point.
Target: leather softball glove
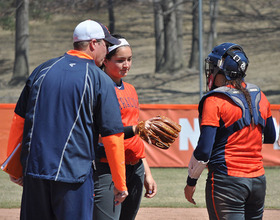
<point x="159" y="131"/>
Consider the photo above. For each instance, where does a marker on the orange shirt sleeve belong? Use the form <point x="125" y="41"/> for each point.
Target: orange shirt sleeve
<point x="210" y="112"/>
<point x="114" y="148"/>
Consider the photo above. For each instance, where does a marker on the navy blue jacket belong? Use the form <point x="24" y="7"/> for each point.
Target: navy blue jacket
<point x="67" y="102"/>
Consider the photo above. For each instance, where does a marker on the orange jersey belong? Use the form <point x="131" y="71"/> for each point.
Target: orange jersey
<point x="240" y="154"/>
<point x="129" y="107"/>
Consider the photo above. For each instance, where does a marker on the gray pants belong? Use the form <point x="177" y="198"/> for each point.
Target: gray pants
<point x="104" y="207"/>
<point x="235" y="198"/>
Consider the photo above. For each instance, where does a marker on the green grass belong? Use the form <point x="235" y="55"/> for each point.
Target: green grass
<point x="171" y="183"/>
<point x="10" y="193"/>
<point x="170" y="189"/>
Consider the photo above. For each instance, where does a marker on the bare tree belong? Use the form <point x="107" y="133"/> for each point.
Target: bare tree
<point x="170" y="34"/>
<point x="159" y="34"/>
<point x="167" y="26"/>
<point x="179" y="28"/>
<point x="212" y="38"/>
<point x="111" y="16"/>
<point x="21" y="66"/>
<point x="194" y="58"/>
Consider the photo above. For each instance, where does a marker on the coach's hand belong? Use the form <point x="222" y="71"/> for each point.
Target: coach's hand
<point x="18" y="181"/>
<point x="189" y="191"/>
<point x="119" y="196"/>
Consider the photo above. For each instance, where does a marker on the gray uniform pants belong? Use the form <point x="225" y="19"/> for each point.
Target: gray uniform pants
<point x="104" y="207"/>
<point x="235" y="198"/>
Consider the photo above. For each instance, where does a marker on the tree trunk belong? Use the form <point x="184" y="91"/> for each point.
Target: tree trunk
<point x="168" y="34"/>
<point x="194" y="59"/>
<point x="21" y="66"/>
<point x="97" y="4"/>
<point x="212" y="38"/>
<point x="111" y="16"/>
<point x="179" y="28"/>
<point x="159" y="35"/>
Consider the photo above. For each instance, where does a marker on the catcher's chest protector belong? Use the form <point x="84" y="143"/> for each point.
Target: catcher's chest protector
<point x="239" y="99"/>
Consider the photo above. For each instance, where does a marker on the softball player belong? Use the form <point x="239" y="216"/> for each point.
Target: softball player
<point x="116" y="65"/>
<point x="235" y="118"/>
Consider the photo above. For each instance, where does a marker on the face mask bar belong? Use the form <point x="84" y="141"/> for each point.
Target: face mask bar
<point x="211" y="71"/>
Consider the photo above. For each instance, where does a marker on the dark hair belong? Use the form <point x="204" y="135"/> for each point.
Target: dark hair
<point x="113" y="52"/>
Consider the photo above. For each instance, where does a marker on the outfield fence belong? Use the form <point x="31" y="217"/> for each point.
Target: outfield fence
<point x="181" y="150"/>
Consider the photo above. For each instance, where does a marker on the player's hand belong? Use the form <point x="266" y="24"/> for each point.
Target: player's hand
<point x="18" y="181"/>
<point x="189" y="191"/>
<point x="150" y="186"/>
<point x="119" y="196"/>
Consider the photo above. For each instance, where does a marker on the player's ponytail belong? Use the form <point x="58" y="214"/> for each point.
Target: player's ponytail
<point x="237" y="83"/>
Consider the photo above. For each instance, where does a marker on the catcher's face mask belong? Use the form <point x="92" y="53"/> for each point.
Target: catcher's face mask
<point x="211" y="71"/>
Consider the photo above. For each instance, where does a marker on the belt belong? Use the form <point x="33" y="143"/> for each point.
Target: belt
<point x="104" y="160"/>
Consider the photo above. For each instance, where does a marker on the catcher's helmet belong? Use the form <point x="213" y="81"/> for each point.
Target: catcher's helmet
<point x="228" y="59"/>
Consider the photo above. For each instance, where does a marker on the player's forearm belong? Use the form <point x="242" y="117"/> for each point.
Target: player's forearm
<point x="201" y="154"/>
<point x="205" y="143"/>
<point x="194" y="170"/>
<point x="146" y="167"/>
<point x="114" y="148"/>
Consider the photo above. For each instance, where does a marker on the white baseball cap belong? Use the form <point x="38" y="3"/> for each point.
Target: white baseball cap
<point x="90" y="29"/>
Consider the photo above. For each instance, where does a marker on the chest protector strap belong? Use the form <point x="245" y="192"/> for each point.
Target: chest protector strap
<point x="239" y="99"/>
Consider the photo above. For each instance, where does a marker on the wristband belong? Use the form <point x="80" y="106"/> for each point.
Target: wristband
<point x="191" y="181"/>
<point x="128" y="132"/>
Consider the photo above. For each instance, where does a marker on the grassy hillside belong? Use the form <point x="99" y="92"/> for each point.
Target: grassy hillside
<point x="255" y="25"/>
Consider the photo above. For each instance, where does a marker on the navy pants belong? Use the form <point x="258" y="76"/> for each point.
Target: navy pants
<point x="104" y="206"/>
<point x="51" y="200"/>
<point x="235" y="198"/>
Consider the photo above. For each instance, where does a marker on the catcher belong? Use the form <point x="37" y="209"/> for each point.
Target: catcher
<point x="235" y="121"/>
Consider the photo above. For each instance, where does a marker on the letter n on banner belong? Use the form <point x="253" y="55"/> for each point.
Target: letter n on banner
<point x="188" y="133"/>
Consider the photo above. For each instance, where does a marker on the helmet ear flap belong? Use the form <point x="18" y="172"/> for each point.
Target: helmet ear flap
<point x="235" y="64"/>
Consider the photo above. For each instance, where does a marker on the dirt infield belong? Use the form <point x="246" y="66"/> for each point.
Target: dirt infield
<point x="188" y="213"/>
<point x="157" y="214"/>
